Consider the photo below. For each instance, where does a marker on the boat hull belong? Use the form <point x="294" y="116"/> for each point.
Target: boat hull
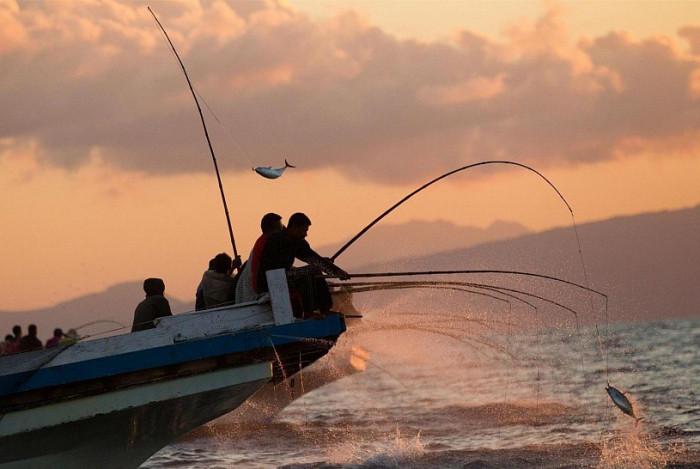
<point x="126" y="437"/>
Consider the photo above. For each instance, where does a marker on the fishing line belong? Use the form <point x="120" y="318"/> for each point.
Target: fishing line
<point x="453" y="317"/>
<point x="233" y="139"/>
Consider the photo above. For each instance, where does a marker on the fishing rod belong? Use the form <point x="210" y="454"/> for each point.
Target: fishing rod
<point x="361" y="287"/>
<point x="471" y="271"/>
<point x="497" y="288"/>
<point x="206" y="133"/>
<point x="433" y="181"/>
<point x="419" y="286"/>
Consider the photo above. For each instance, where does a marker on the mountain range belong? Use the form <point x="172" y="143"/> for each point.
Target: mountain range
<point x="647" y="264"/>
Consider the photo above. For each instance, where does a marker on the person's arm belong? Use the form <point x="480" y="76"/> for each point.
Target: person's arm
<point x="311" y="257"/>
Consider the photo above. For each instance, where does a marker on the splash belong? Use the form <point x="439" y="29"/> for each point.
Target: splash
<point x="386" y="451"/>
<point x="633" y="449"/>
<point x="631" y="446"/>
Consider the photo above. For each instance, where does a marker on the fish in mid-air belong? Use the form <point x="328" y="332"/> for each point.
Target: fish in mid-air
<point x="622" y="403"/>
<point x="272" y="173"/>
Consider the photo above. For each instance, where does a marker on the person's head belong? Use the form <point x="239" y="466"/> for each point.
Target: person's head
<point x="9" y="338"/>
<point x="17" y="331"/>
<point x="211" y="264"/>
<point x="58" y="332"/>
<point x="298" y="226"/>
<point x="32" y="330"/>
<point x="270" y="223"/>
<point x="153" y="286"/>
<point x="222" y="263"/>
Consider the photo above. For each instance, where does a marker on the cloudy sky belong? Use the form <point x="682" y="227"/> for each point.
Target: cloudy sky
<point x="105" y="174"/>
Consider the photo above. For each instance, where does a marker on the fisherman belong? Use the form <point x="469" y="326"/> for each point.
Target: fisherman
<point x="309" y="291"/>
<point x="154" y="306"/>
<point x="13" y="345"/>
<point x="218" y="286"/>
<point x="17" y="332"/>
<point x="30" y="341"/>
<point x="7" y="347"/>
<point x="199" y="295"/>
<point x="70" y="337"/>
<point x="247" y="286"/>
<point x="56" y="339"/>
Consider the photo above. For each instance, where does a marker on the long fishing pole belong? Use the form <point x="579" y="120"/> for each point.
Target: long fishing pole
<point x="360" y="287"/>
<point x="374" y="286"/>
<point x="206" y="133"/>
<point x="433" y="181"/>
<point x="472" y="271"/>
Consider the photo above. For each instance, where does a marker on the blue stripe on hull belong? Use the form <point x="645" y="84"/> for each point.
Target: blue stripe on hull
<point x="172" y="354"/>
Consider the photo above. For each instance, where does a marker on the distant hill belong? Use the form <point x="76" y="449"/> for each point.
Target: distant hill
<point x="117" y="303"/>
<point x="419" y="238"/>
<point x="648" y="264"/>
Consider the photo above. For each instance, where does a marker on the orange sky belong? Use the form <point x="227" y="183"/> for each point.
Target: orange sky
<point x="85" y="207"/>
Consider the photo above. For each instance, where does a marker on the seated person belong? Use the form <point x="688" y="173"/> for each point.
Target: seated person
<point x="8" y="346"/>
<point x="199" y="295"/>
<point x="217" y="286"/>
<point x="309" y="291"/>
<point x="56" y="339"/>
<point x="30" y="341"/>
<point x="154" y="306"/>
<point x="246" y="288"/>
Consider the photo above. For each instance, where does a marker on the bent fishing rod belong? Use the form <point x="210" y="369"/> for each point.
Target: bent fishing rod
<point x="360" y="287"/>
<point x="206" y="133"/>
<point x="439" y="178"/>
<point x="471" y="271"/>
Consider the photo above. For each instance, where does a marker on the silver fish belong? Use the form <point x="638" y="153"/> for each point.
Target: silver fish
<point x="272" y="173"/>
<point x="622" y="403"/>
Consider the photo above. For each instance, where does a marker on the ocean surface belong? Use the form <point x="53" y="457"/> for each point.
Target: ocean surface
<point x="456" y="392"/>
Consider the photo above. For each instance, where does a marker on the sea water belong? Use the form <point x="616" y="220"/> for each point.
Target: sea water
<point x="430" y="400"/>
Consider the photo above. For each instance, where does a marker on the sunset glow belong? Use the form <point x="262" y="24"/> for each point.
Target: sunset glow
<point x="105" y="175"/>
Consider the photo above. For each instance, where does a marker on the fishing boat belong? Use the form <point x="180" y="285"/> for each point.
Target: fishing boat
<point x="113" y="402"/>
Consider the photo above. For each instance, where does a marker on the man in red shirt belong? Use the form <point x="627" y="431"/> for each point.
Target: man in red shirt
<point x="247" y="288"/>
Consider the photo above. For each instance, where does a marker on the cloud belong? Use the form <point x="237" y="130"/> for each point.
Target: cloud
<point x="95" y="80"/>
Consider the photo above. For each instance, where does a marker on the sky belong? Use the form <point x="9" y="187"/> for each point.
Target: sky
<point x="106" y="177"/>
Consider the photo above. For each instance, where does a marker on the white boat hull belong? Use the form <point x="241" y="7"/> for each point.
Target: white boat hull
<point x="138" y="421"/>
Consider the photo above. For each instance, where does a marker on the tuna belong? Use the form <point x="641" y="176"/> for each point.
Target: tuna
<point x="622" y="402"/>
<point x="270" y="172"/>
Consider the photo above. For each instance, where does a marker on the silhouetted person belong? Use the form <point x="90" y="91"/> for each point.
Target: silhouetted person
<point x="7" y="347"/>
<point x="56" y="339"/>
<point x="217" y="285"/>
<point x="13" y="346"/>
<point x="246" y="288"/>
<point x="199" y="295"/>
<point x="280" y="251"/>
<point x="70" y="337"/>
<point x="154" y="306"/>
<point x="30" y="341"/>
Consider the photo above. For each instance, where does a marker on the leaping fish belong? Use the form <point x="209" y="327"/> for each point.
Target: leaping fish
<point x="622" y="403"/>
<point x="272" y="173"/>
